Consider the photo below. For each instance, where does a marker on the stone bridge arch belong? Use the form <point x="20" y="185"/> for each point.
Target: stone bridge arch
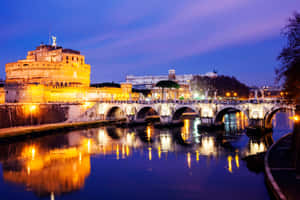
<point x="146" y="111"/>
<point x="227" y="109"/>
<point x="271" y="113"/>
<point x="114" y="112"/>
<point x="180" y="110"/>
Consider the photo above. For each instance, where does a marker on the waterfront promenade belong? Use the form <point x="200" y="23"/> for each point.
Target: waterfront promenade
<point x="280" y="172"/>
<point x="27" y="130"/>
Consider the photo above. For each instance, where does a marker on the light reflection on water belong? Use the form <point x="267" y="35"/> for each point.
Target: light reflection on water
<point x="58" y="164"/>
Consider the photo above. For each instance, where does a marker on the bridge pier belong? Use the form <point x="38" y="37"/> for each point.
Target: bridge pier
<point x="165" y="119"/>
<point x="207" y="120"/>
<point x="257" y="123"/>
<point x="130" y="118"/>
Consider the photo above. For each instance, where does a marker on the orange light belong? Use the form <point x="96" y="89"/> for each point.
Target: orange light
<point x="150" y="153"/>
<point x="229" y="159"/>
<point x="296" y="118"/>
<point x="188" y="158"/>
<point x="227" y="94"/>
<point x="235" y="94"/>
<point x="32" y="108"/>
<point x="237" y="163"/>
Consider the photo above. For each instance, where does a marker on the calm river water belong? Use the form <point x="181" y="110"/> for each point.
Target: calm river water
<point x="138" y="163"/>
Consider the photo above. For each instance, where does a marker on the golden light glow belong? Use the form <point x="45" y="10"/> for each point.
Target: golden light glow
<point x="165" y="140"/>
<point x="227" y="94"/>
<point x="29" y="152"/>
<point x="117" y="152"/>
<point x="208" y="146"/>
<point x="197" y="156"/>
<point x="57" y="170"/>
<point x="149" y="132"/>
<point x="237" y="161"/>
<point x="87" y="105"/>
<point x="87" y="143"/>
<point x="188" y="159"/>
<point x="123" y="151"/>
<point x="229" y="159"/>
<point x="52" y="196"/>
<point x="235" y="94"/>
<point x="150" y="153"/>
<point x="32" y="108"/>
<point x="130" y="139"/>
<point x="159" y="152"/>
<point x="296" y="118"/>
<point x="102" y="137"/>
<point x="256" y="147"/>
<point x="28" y="170"/>
<point x="127" y="150"/>
<point x="80" y="157"/>
<point x="185" y="134"/>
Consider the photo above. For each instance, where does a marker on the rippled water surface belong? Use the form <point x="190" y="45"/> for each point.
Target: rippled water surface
<point x="138" y="163"/>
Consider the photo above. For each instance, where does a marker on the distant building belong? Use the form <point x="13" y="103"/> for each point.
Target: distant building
<point x="108" y="93"/>
<point x="266" y="92"/>
<point x="148" y="82"/>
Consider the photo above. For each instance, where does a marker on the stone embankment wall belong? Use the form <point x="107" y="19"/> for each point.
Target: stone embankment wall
<point x="33" y="114"/>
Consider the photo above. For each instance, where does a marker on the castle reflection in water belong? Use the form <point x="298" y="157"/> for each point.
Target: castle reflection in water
<point x="60" y="163"/>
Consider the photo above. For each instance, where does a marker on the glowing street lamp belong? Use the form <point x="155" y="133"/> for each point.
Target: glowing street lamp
<point x="227" y="94"/>
<point x="32" y="108"/>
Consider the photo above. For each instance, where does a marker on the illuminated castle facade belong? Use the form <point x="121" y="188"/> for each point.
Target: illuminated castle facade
<point x="53" y="74"/>
<point x="51" y="66"/>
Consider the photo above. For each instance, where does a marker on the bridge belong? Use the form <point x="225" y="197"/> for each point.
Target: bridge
<point x="258" y="112"/>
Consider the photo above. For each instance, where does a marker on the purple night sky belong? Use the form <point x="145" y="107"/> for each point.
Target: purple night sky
<point x="119" y="37"/>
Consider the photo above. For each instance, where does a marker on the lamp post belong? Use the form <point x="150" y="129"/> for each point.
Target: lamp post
<point x="32" y="109"/>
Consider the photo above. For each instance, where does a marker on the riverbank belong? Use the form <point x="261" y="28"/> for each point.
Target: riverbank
<point x="31" y="130"/>
<point x="280" y="173"/>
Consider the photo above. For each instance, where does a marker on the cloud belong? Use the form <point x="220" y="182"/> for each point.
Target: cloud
<point x="195" y="27"/>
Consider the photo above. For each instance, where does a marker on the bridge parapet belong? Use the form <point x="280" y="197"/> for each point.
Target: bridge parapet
<point x="254" y="109"/>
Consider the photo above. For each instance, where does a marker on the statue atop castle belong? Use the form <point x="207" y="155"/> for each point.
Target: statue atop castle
<point x="53" y="41"/>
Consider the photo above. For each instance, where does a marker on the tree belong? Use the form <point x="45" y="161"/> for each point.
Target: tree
<point x="167" y="84"/>
<point x="222" y="84"/>
<point x="106" y="84"/>
<point x="289" y="72"/>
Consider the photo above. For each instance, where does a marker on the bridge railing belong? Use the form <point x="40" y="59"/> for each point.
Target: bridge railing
<point x="189" y="102"/>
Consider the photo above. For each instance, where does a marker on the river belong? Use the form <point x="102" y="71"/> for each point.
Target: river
<point x="138" y="163"/>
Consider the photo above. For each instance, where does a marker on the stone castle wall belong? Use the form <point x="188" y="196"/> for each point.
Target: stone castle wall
<point x="33" y="114"/>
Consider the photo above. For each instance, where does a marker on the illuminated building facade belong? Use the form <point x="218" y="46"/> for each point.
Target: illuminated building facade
<point x="123" y="93"/>
<point x="53" y="74"/>
<point x="51" y="66"/>
<point x="148" y="82"/>
<point x="2" y="95"/>
<point x="172" y="93"/>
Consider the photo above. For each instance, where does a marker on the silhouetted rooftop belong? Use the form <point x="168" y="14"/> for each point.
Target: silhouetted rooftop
<point x="50" y="48"/>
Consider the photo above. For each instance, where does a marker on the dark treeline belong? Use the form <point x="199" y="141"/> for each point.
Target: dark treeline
<point x="1" y="83"/>
<point x="222" y="84"/>
<point x="106" y="84"/>
<point x="145" y="92"/>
